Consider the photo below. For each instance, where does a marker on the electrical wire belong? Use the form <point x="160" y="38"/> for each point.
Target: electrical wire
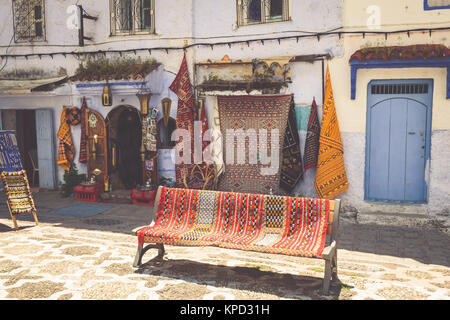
<point x="229" y="43"/>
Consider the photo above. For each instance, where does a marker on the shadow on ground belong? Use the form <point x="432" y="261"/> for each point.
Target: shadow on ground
<point x="248" y="280"/>
<point x="426" y="245"/>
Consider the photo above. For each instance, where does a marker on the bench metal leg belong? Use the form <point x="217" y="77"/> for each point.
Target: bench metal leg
<point x="334" y="267"/>
<point x="142" y="250"/>
<point x="327" y="277"/>
<point x="330" y="272"/>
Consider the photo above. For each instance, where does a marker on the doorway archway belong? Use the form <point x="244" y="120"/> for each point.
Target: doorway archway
<point x="124" y="128"/>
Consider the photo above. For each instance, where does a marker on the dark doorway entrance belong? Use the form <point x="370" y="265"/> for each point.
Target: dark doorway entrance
<point x="27" y="143"/>
<point x="124" y="144"/>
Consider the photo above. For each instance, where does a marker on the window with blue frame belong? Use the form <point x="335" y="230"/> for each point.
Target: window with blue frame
<point x="436" y="4"/>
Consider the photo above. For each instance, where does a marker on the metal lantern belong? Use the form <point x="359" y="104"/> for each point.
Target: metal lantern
<point x="144" y="99"/>
<point x="166" y="104"/>
<point x="107" y="95"/>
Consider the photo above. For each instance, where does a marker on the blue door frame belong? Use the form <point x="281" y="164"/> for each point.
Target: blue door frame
<point x="373" y="100"/>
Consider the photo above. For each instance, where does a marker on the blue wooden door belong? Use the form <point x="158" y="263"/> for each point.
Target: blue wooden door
<point x="45" y="148"/>
<point x="398" y="140"/>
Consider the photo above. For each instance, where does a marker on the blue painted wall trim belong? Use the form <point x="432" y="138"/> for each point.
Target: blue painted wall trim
<point x="428" y="7"/>
<point x="397" y="63"/>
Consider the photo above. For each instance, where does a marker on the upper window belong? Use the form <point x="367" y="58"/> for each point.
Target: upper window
<point x="132" y="16"/>
<point x="28" y="20"/>
<point x="436" y="4"/>
<point x="262" y="11"/>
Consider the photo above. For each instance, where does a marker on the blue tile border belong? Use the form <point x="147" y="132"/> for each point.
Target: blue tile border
<point x="428" y="7"/>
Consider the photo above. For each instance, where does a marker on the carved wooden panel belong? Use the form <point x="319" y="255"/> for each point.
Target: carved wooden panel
<point x="97" y="146"/>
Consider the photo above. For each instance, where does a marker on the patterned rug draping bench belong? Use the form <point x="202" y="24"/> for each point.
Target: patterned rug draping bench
<point x="251" y="222"/>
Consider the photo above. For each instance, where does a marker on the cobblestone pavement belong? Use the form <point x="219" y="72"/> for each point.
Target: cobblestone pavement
<point x="91" y="258"/>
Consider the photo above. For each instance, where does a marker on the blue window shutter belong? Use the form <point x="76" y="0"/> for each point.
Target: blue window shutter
<point x="45" y="148"/>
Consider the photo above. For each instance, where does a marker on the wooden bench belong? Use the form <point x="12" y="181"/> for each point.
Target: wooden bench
<point x="272" y="224"/>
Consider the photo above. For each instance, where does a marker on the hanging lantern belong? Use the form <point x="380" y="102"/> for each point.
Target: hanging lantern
<point x="144" y="99"/>
<point x="107" y="96"/>
<point x="166" y="104"/>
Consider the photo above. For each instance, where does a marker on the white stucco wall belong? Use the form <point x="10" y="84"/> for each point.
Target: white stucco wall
<point x="180" y="23"/>
<point x="394" y="15"/>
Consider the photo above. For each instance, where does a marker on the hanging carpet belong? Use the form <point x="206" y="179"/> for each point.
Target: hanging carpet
<point x="82" y="157"/>
<point x="312" y="139"/>
<point x="17" y="188"/>
<point x="10" y="158"/>
<point x="291" y="168"/>
<point x="186" y="115"/>
<point x="262" y="223"/>
<point x="331" y="178"/>
<point x="252" y="114"/>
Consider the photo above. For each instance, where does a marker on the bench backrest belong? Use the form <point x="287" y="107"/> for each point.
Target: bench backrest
<point x="333" y="218"/>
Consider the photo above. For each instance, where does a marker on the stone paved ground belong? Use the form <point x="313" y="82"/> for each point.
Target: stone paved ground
<point x="91" y="258"/>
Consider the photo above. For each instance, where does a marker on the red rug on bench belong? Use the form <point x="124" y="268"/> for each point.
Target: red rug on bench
<point x="251" y="222"/>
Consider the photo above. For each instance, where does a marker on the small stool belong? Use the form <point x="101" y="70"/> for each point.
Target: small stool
<point x="89" y="193"/>
<point x="144" y="197"/>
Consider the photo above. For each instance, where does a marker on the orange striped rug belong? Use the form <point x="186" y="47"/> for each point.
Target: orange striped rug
<point x="331" y="178"/>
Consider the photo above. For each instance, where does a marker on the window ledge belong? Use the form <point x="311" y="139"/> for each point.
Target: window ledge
<point x="262" y="23"/>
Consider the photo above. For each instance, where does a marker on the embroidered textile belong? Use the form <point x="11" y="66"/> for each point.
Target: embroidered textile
<point x="65" y="149"/>
<point x="149" y="131"/>
<point x="250" y="222"/>
<point x="312" y="139"/>
<point x="251" y="115"/>
<point x="291" y="167"/>
<point x="82" y="158"/>
<point x="18" y="191"/>
<point x="10" y="158"/>
<point x="331" y="178"/>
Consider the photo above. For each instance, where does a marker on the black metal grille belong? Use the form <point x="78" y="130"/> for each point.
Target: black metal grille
<point x="28" y="20"/>
<point x="132" y="16"/>
<point x="410" y="88"/>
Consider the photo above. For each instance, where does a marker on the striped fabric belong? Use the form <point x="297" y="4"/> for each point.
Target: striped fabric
<point x="65" y="149"/>
<point x="250" y="222"/>
<point x="312" y="139"/>
<point x="331" y="177"/>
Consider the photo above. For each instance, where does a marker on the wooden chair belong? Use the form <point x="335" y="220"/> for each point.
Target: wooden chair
<point x="34" y="162"/>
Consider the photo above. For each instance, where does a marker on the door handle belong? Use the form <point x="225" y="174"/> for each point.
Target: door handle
<point x="411" y="133"/>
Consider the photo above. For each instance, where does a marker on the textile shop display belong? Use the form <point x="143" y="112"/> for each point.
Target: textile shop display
<point x="254" y="113"/>
<point x="149" y="130"/>
<point x="331" y="178"/>
<point x="18" y="192"/>
<point x="14" y="178"/>
<point x="262" y="223"/>
<point x="65" y="149"/>
<point x="312" y="139"/>
<point x="291" y="168"/>
<point x="10" y="158"/>
<point x="83" y="156"/>
<point x="186" y="114"/>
